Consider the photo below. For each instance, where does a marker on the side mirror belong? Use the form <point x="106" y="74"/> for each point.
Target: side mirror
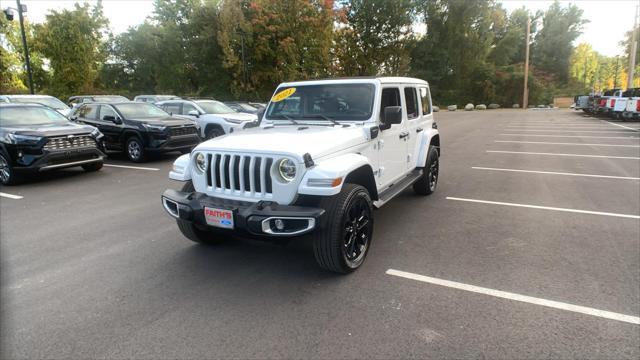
<point x="392" y="115"/>
<point x="112" y="118"/>
<point x="260" y="114"/>
<point x="194" y="113"/>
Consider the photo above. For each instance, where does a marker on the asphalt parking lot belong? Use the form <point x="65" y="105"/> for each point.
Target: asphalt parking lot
<point x="530" y="248"/>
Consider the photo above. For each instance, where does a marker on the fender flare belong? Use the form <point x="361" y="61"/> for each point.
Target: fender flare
<point x="181" y="170"/>
<point x="339" y="167"/>
<point x="430" y="136"/>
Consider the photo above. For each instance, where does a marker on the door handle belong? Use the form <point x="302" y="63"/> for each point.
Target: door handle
<point x="404" y="134"/>
<point x="419" y="129"/>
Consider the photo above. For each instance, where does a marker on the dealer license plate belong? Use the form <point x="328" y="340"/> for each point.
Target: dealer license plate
<point x="219" y="217"/>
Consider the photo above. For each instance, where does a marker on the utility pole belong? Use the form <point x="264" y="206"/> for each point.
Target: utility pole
<point x="632" y="55"/>
<point x="525" y="94"/>
<point x="26" y="48"/>
<point x="615" y="77"/>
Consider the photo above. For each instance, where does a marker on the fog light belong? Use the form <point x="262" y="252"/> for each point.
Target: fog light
<point x="279" y="224"/>
<point x="20" y="154"/>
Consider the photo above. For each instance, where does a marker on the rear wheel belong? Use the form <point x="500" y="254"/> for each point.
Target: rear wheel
<point x="135" y="149"/>
<point x="92" y="167"/>
<point x="342" y="244"/>
<point x="7" y="174"/>
<point x="427" y="183"/>
<point x="197" y="233"/>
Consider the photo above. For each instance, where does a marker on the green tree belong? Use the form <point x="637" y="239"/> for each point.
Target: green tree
<point x="282" y="41"/>
<point x="554" y="42"/>
<point x="72" y="41"/>
<point x="373" y="37"/>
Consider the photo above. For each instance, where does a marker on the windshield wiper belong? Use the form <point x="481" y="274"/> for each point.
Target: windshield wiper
<point x="287" y="117"/>
<point x="324" y="117"/>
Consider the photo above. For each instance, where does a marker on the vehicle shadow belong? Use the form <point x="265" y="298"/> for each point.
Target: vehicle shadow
<point x="151" y="159"/>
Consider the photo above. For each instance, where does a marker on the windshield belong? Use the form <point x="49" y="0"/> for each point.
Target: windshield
<point x="30" y="115"/>
<point x="114" y="98"/>
<point x="323" y="102"/>
<point x="47" y="101"/>
<point x="140" y="111"/>
<point x="214" y="107"/>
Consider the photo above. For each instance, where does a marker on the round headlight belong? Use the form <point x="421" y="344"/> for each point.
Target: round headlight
<point x="287" y="169"/>
<point x="199" y="161"/>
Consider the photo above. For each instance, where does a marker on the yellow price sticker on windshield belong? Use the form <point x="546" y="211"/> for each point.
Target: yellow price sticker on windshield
<point x="283" y="94"/>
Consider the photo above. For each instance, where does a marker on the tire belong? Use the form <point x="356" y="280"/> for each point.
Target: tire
<point x="197" y="233"/>
<point x="135" y="149"/>
<point x="92" y="167"/>
<point x="428" y="181"/>
<point x="214" y="133"/>
<point x="336" y="247"/>
<point x="7" y="174"/>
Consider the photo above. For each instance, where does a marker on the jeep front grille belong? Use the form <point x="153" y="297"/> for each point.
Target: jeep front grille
<point x="182" y="131"/>
<point x="248" y="175"/>
<point x="70" y="142"/>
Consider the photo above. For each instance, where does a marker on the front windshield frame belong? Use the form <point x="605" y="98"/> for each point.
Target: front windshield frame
<point x="46" y="101"/>
<point x="338" y="95"/>
<point x="129" y="110"/>
<point x="214" y="107"/>
<point x="16" y="116"/>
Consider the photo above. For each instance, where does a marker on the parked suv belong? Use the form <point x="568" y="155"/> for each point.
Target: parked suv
<point x="325" y="155"/>
<point x="242" y="107"/>
<point x="213" y="117"/>
<point x="36" y="138"/>
<point x="45" y="100"/>
<point x="138" y="128"/>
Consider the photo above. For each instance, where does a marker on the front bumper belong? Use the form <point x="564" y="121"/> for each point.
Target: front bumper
<point x="51" y="160"/>
<point x="171" y="143"/>
<point x="259" y="219"/>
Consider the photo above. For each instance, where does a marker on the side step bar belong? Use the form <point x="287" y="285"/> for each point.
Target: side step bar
<point x="397" y="187"/>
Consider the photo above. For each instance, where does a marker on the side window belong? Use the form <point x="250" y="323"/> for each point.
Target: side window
<point x="107" y="111"/>
<point x="88" y="112"/>
<point x="172" y="108"/>
<point x="425" y="98"/>
<point x="412" y="102"/>
<point x="186" y="107"/>
<point x="390" y="97"/>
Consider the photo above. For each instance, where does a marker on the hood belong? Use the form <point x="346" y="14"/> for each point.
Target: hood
<point x="165" y="121"/>
<point x="236" y="116"/>
<point x="50" y="130"/>
<point x="318" y="141"/>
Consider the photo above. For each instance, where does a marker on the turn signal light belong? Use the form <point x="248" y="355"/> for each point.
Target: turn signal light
<point x="338" y="181"/>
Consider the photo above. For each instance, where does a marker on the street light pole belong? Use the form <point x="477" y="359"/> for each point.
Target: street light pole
<point x="27" y="60"/>
<point x="525" y="95"/>
<point x="632" y="54"/>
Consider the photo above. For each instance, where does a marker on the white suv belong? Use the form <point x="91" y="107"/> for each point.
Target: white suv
<point x="214" y="118"/>
<point x="326" y="153"/>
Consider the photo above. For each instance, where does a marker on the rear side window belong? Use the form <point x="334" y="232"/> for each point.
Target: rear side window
<point x="425" y="99"/>
<point x="412" y="102"/>
<point x="88" y="112"/>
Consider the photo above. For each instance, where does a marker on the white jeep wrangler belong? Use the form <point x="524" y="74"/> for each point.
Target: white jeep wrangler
<point x="325" y="154"/>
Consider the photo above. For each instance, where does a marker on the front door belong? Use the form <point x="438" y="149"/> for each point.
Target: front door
<point x="392" y="143"/>
<point x="112" y="131"/>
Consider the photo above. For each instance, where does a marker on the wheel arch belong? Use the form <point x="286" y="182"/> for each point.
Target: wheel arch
<point x="349" y="168"/>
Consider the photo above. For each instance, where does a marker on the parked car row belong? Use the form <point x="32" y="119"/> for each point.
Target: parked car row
<point x="615" y="103"/>
<point x="40" y="132"/>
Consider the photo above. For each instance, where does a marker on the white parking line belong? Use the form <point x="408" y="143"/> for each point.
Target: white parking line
<point x="517" y="297"/>
<point x="622" y="126"/>
<point x="10" y="196"/>
<point x="560" y="143"/>
<point x="562" y="125"/>
<point x="590" y="131"/>
<point x="575" y="136"/>
<point x="630" y="216"/>
<point x="132" y="167"/>
<point x="557" y="173"/>
<point x="558" y="154"/>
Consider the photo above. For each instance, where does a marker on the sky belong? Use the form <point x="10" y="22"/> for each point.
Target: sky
<point x="609" y="19"/>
